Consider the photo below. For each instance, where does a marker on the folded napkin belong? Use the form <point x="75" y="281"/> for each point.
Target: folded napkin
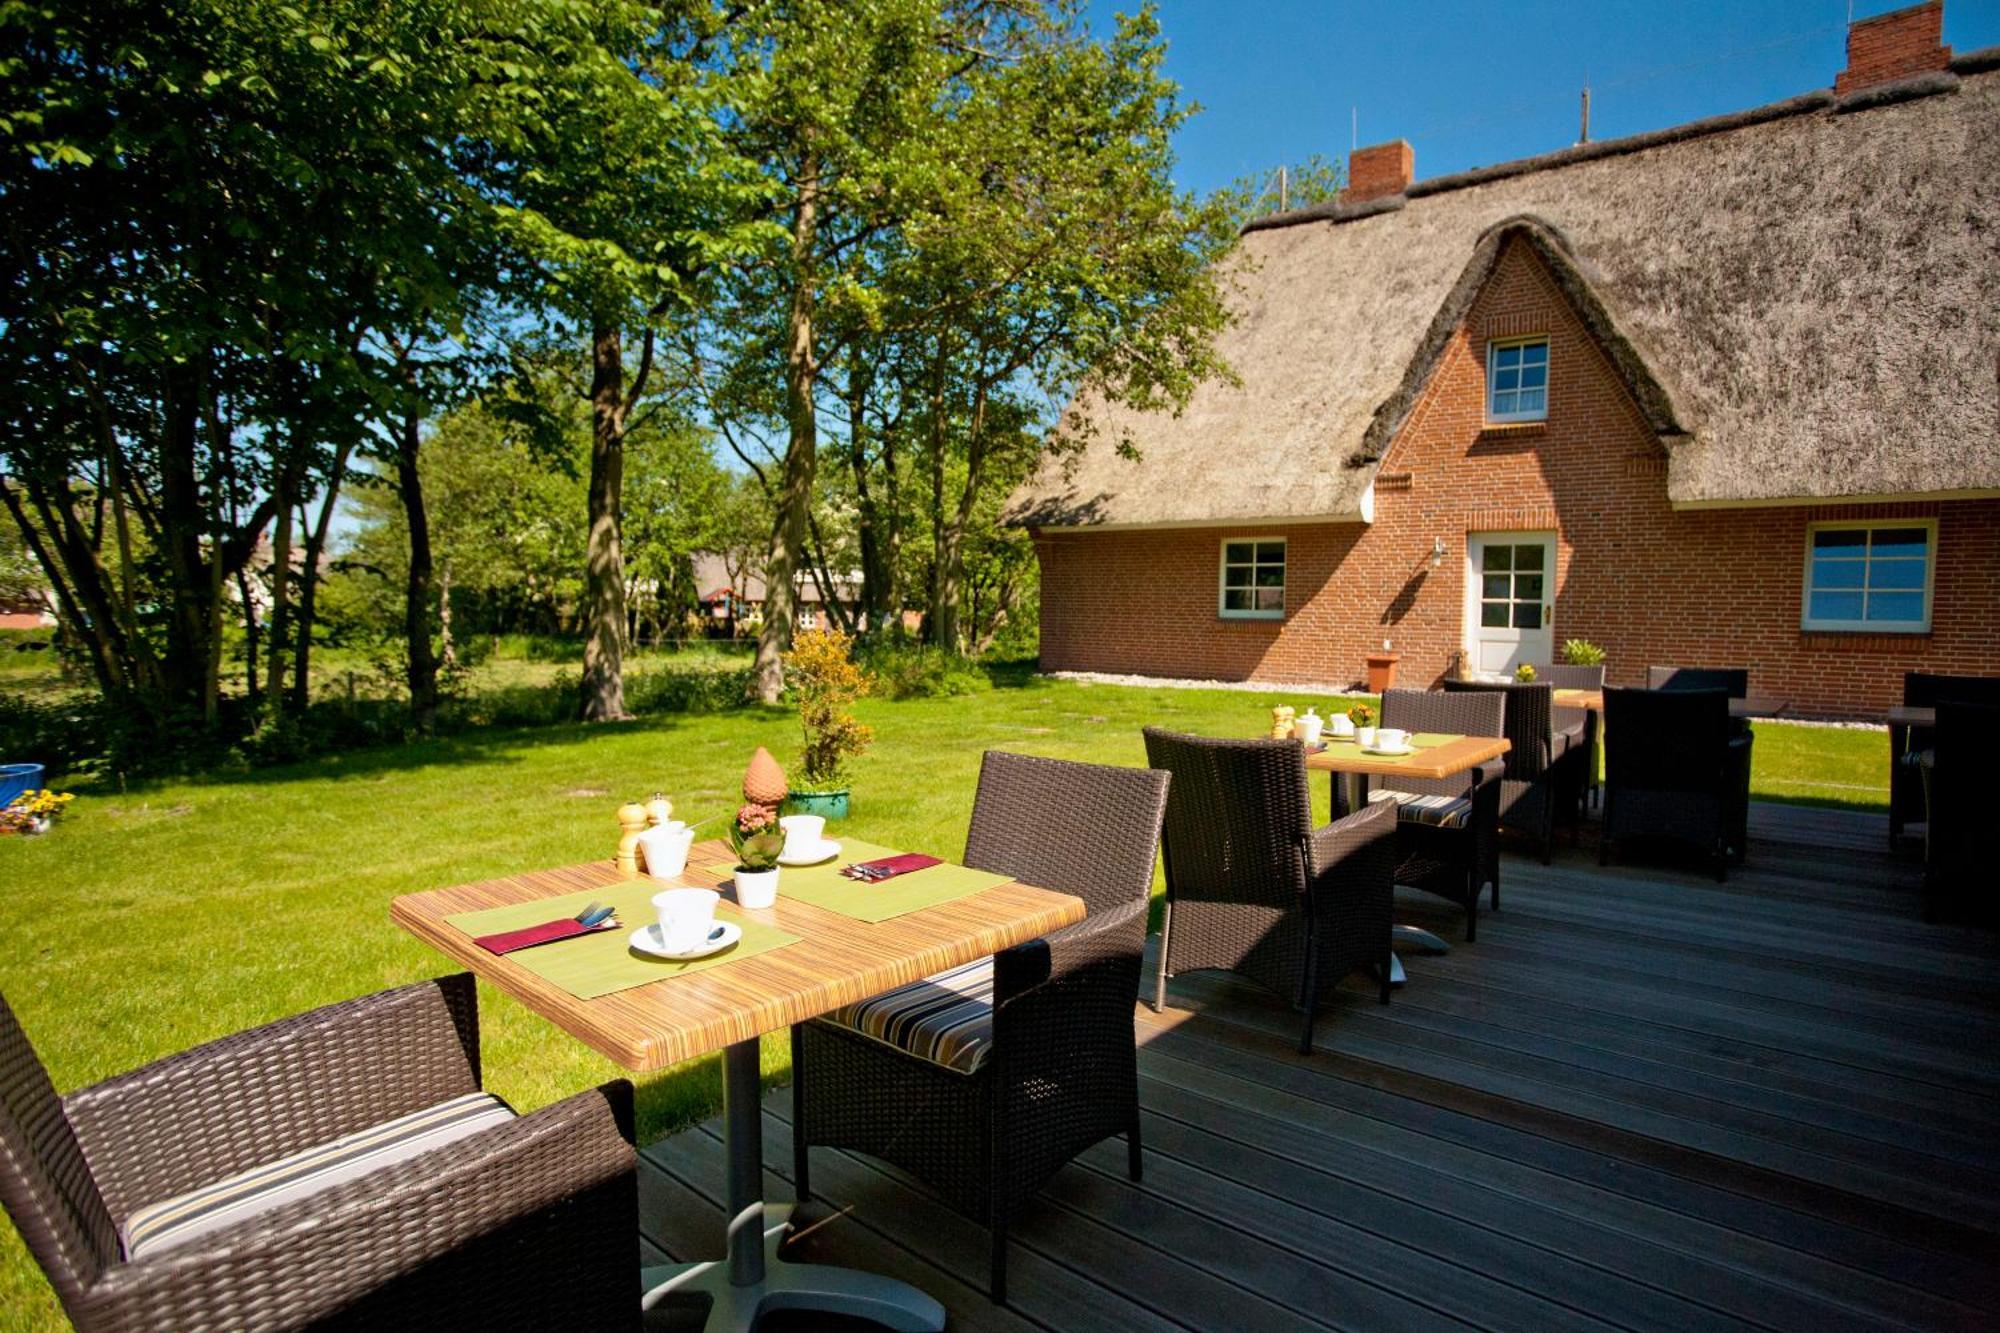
<point x="888" y="867"/>
<point x="529" y="936"/>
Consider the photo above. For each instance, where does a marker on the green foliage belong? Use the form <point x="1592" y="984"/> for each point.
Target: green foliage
<point x="1525" y="673"/>
<point x="1316" y="180"/>
<point x="914" y="671"/>
<point x="1582" y="652"/>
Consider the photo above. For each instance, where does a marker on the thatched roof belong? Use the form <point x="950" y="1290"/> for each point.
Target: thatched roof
<point x="1804" y="300"/>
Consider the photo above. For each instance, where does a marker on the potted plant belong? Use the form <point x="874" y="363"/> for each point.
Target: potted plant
<point x="1382" y="669"/>
<point x="822" y="675"/>
<point x="1525" y="673"/>
<point x="1582" y="652"/>
<point x="33" y="811"/>
<point x="758" y="840"/>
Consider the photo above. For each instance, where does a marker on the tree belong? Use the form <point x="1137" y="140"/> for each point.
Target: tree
<point x="1298" y="185"/>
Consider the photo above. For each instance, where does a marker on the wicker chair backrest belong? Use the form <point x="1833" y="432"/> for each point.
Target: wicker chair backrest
<point x="1566" y="677"/>
<point x="1665" y="740"/>
<point x="1733" y="681"/>
<point x="1527" y="726"/>
<point x="1237" y="816"/>
<point x="1460" y="712"/>
<point x="1087" y="829"/>
<point x="44" y="1180"/>
<point x="1926" y="689"/>
<point x="1961" y="780"/>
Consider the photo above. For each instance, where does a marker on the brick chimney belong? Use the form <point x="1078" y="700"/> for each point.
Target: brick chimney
<point x="1894" y="46"/>
<point x="1378" y="171"/>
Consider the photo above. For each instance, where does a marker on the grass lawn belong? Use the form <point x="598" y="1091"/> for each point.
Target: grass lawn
<point x="174" y="913"/>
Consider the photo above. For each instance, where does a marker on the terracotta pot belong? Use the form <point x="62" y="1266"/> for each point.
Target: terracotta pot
<point x="1382" y="671"/>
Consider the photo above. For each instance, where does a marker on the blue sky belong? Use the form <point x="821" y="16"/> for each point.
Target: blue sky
<point x="1471" y="83"/>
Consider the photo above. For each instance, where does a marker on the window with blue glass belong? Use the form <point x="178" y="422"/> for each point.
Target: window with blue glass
<point x="1517" y="380"/>
<point x="1870" y="576"/>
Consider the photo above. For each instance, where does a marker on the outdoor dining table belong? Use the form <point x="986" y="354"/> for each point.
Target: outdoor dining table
<point x="1749" y="706"/>
<point x="1351" y="764"/>
<point x="835" y="959"/>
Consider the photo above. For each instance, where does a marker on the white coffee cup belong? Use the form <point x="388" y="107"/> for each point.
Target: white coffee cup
<point x="686" y="915"/>
<point x="803" y="833"/>
<point x="1340" y="724"/>
<point x="665" y="847"/>
<point x="1391" y="738"/>
<point x="1306" y="729"/>
<point x="1366" y="735"/>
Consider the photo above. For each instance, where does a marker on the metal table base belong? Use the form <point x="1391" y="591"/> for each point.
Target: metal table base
<point x="1414" y="938"/>
<point x="753" y="1281"/>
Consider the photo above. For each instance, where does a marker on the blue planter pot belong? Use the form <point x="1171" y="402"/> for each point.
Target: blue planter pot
<point x="17" y="778"/>
<point x="829" y="804"/>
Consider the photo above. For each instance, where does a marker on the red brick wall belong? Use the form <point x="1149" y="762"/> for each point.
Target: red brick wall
<point x="1894" y="46"/>
<point x="1647" y="582"/>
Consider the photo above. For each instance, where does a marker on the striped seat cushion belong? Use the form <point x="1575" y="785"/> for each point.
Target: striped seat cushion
<point x="946" y="1018"/>
<point x="171" y="1222"/>
<point x="1917" y="758"/>
<point x="1437" y="811"/>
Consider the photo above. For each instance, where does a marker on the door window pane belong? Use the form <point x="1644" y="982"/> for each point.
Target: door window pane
<point x="1527" y="615"/>
<point x="1528" y="557"/>
<point x="1528" y="587"/>
<point x="1496" y="585"/>
<point x="1498" y="557"/>
<point x="1493" y="615"/>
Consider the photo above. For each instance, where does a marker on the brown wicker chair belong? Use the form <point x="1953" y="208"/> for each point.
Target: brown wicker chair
<point x="1253" y="888"/>
<point x="1061" y="1070"/>
<point x="1581" y="723"/>
<point x="524" y="1225"/>
<point x="1451" y="851"/>
<point x="1958" y="853"/>
<point x="1675" y="767"/>
<point x="1544" y="768"/>
<point x="1733" y="681"/>
<point x="1924" y="689"/>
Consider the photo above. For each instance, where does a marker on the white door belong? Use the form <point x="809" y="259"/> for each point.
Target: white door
<point x="1510" y="593"/>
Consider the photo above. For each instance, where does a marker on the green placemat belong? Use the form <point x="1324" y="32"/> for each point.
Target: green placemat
<point x="1421" y="740"/>
<point x="592" y="965"/>
<point x="823" y="886"/>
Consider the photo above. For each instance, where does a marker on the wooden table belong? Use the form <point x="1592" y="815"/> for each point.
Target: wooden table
<point x="1903" y="718"/>
<point x="1749" y="706"/>
<point x="1911" y="715"/>
<point x="838" y="960"/>
<point x="1434" y="763"/>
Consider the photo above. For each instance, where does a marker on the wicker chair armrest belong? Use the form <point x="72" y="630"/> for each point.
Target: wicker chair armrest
<point x="1115" y="933"/>
<point x="1487" y="773"/>
<point x="317" y="1256"/>
<point x="1328" y="848"/>
<point x="254" y="1097"/>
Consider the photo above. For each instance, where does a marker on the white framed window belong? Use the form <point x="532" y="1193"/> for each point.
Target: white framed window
<point x="1870" y="576"/>
<point x="1517" y="380"/>
<point x="1253" y="579"/>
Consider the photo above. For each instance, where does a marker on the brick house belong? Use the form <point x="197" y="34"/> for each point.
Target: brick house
<point x="1726" y="394"/>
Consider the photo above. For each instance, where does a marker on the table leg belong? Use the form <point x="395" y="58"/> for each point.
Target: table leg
<point x="753" y="1280"/>
<point x="1409" y="937"/>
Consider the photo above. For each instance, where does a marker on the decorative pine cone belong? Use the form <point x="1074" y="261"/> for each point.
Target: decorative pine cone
<point x="764" y="781"/>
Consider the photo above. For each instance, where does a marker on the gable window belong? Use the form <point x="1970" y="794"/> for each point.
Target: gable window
<point x="1870" y="576"/>
<point x="1517" y="380"/>
<point x="1253" y="580"/>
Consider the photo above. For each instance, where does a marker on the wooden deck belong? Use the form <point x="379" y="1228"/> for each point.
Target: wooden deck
<point x="1641" y="1100"/>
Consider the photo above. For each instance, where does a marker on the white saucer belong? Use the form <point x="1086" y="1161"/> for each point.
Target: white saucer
<point x="646" y="939"/>
<point x="812" y="856"/>
<point x="1388" y="754"/>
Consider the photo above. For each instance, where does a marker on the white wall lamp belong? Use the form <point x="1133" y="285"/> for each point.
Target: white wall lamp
<point x="1437" y="552"/>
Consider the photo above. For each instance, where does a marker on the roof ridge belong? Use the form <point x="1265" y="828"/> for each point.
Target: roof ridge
<point x="1902" y="90"/>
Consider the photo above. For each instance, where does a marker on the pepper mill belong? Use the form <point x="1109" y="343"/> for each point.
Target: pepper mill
<point x="1281" y="722"/>
<point x="631" y="823"/>
<point x="659" y="810"/>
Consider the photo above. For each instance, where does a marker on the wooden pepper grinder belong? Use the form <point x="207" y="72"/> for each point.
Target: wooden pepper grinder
<point x="631" y="823"/>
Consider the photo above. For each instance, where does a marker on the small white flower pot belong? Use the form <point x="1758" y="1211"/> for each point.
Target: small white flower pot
<point x="756" y="889"/>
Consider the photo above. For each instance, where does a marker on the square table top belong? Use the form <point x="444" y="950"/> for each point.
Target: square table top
<point x="1750" y="705"/>
<point x="838" y="959"/>
<point x="1438" y="761"/>
<point x="1912" y="715"/>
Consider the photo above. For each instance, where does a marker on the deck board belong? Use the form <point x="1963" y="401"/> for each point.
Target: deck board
<point x="1643" y="1100"/>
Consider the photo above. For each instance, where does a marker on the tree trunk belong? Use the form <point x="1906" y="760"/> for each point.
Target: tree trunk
<point x="877" y="552"/>
<point x="309" y="587"/>
<point x="934" y="629"/>
<point x="767" y="678"/>
<point x="950" y="554"/>
<point x="182" y="524"/>
<point x="281" y="572"/>
<point x="447" y="650"/>
<point x="604" y="568"/>
<point x="421" y="673"/>
<point x="249" y="638"/>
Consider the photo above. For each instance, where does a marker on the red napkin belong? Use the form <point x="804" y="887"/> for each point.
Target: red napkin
<point x="889" y="867"/>
<point x="529" y="936"/>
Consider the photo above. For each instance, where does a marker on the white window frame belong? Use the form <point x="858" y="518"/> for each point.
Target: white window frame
<point x="1493" y="349"/>
<point x="1922" y="626"/>
<point x="1222" y="608"/>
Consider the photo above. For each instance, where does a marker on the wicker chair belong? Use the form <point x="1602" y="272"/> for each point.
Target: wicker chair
<point x="1923" y="689"/>
<point x="1580" y="723"/>
<point x="1958" y="853"/>
<point x="1733" y="681"/>
<point x="1253" y="888"/>
<point x="1056" y="1068"/>
<point x="1544" y="768"/>
<point x="1675" y="767"/>
<point x="1449" y="846"/>
<point x="524" y="1224"/>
